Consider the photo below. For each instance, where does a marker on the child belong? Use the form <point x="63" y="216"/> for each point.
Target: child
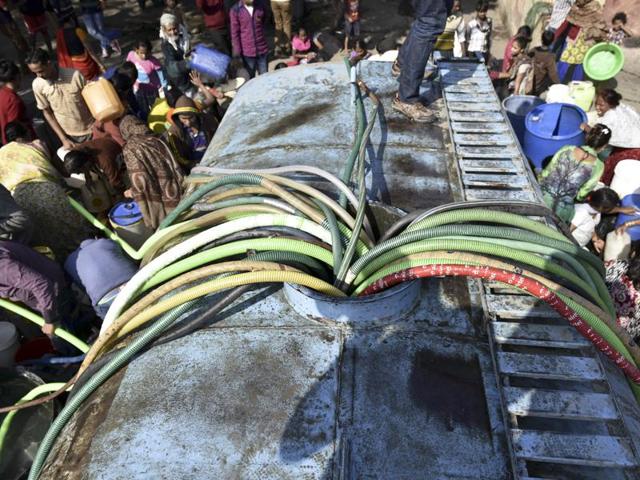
<point x="479" y="31"/>
<point x="150" y="75"/>
<point x="521" y="66"/>
<point x="358" y="52"/>
<point x="301" y="47"/>
<point x="33" y="12"/>
<point x="617" y="33"/>
<point x="586" y="216"/>
<point x="351" y="21"/>
<point x="451" y="42"/>
<point x="507" y="59"/>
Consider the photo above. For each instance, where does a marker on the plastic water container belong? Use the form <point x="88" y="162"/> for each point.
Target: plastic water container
<point x="630" y="201"/>
<point x="102" y="100"/>
<point x="626" y="178"/>
<point x="549" y="127"/>
<point x="582" y="94"/>
<point x="9" y="343"/>
<point x="559" y="93"/>
<point x="210" y="62"/>
<point x="517" y="107"/>
<point x="126" y="219"/>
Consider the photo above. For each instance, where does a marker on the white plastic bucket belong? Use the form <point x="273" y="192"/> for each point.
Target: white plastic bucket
<point x="626" y="178"/>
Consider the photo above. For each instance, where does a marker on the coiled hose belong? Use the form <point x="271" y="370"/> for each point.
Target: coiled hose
<point x="610" y="349"/>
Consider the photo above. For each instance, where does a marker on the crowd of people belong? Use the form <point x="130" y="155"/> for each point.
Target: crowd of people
<point x="171" y="112"/>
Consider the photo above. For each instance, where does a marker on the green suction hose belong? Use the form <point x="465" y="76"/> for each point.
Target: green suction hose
<point x="484" y="231"/>
<point x="347" y="170"/>
<point x="121" y="359"/>
<point x="34" y="393"/>
<point x="236" y="248"/>
<point x="488" y="248"/>
<point x="488" y="216"/>
<point x="38" y="320"/>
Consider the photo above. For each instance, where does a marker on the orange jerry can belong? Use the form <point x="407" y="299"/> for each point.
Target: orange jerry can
<point x="102" y="100"/>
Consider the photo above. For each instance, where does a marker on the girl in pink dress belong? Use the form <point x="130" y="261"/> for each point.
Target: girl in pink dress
<point x="150" y="75"/>
<point x="301" y="47"/>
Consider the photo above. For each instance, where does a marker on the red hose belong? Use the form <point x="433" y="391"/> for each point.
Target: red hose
<point x="520" y="282"/>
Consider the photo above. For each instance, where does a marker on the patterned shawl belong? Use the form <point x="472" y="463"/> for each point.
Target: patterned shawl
<point x="156" y="177"/>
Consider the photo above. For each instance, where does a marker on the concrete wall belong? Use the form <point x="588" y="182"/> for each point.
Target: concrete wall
<point x="628" y="6"/>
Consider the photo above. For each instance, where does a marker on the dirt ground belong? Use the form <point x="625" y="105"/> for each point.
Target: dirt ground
<point x="380" y="19"/>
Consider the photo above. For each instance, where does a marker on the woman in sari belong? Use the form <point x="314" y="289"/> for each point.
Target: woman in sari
<point x="624" y="122"/>
<point x="583" y="28"/>
<point x="25" y="170"/>
<point x="154" y="174"/>
<point x="74" y="52"/>
<point x="573" y="172"/>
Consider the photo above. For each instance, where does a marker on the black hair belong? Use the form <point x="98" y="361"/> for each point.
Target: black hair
<point x="482" y="6"/>
<point x="142" y="43"/>
<point x="37" y="56"/>
<point x="606" y="226"/>
<point x="547" y="38"/>
<point x="620" y="17"/>
<point x="610" y="96"/>
<point x="9" y="71"/>
<point x="172" y="94"/>
<point x="598" y="136"/>
<point x="603" y="199"/>
<point x="75" y="160"/>
<point x="15" y="130"/>
<point x="122" y="83"/>
<point x="280" y="65"/>
<point x="128" y="69"/>
<point x="521" y="42"/>
<point x="525" y="32"/>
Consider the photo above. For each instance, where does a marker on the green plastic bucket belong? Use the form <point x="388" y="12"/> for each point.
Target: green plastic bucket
<point x="603" y="61"/>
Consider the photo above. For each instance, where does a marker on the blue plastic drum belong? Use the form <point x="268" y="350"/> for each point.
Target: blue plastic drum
<point x="517" y="108"/>
<point x="549" y="127"/>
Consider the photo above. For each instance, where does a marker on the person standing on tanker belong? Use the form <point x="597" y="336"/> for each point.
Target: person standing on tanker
<point x="431" y="17"/>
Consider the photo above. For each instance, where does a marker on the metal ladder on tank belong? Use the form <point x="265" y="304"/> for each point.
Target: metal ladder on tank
<point x="567" y="411"/>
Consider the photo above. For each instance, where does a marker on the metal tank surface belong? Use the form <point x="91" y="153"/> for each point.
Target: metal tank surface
<point x="287" y="384"/>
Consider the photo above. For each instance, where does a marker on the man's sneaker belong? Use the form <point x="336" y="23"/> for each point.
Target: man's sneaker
<point x="105" y="53"/>
<point x="414" y="111"/>
<point x="395" y="69"/>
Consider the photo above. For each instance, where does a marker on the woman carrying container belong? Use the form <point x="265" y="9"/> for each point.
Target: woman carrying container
<point x="583" y="28"/>
<point x="190" y="132"/>
<point x="154" y="174"/>
<point x="573" y="172"/>
<point x="26" y="171"/>
<point x="624" y="122"/>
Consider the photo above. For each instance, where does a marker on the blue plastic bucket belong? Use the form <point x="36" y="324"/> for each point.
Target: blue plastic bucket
<point x="517" y="107"/>
<point x="632" y="200"/>
<point x="210" y="62"/>
<point x="126" y="219"/>
<point x="549" y="127"/>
